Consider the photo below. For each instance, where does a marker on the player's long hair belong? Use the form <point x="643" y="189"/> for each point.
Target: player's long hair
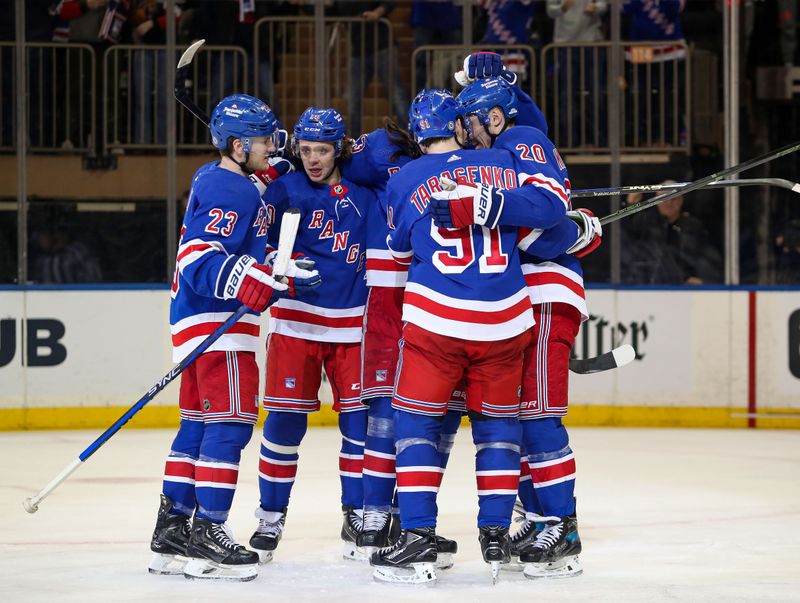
<point x="402" y="138"/>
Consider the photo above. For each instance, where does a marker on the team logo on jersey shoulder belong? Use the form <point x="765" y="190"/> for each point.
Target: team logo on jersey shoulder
<point x="289" y="383"/>
<point x="339" y="190"/>
<point x="359" y="144"/>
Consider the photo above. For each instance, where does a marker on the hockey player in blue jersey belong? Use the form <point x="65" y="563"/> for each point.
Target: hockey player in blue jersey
<point x="220" y="266"/>
<point x="556" y="288"/>
<point x="376" y="157"/>
<point x="467" y="315"/>
<point x="320" y="330"/>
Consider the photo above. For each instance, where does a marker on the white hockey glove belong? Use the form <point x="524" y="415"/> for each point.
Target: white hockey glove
<point x="278" y="166"/>
<point x="590" y="232"/>
<point x="300" y="274"/>
<point x="460" y="204"/>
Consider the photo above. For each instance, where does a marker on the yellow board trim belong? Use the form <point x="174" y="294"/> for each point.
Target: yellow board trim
<point x="21" y="419"/>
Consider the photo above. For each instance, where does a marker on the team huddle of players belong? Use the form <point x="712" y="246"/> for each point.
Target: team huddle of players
<point x="435" y="275"/>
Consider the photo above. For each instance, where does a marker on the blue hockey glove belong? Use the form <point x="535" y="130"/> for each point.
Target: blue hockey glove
<point x="480" y="65"/>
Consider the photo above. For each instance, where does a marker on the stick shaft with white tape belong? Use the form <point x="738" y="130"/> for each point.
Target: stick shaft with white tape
<point x="289" y="225"/>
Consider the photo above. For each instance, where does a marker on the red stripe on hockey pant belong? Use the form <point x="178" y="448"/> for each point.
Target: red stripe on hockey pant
<point x="419" y="478"/>
<point x="546" y="474"/>
<point x="385" y="265"/>
<point x="350" y="465"/>
<point x="553" y="278"/>
<point x="179" y="469"/>
<point x="498" y="482"/>
<point x="273" y="470"/>
<point x="341" y="322"/>
<point x="474" y="316"/>
<point x="206" y="328"/>
<point x="524" y="469"/>
<point x="377" y="464"/>
<point x="216" y="475"/>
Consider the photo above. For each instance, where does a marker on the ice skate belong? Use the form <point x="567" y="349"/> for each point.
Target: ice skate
<point x="170" y="538"/>
<point x="375" y="534"/>
<point x="268" y="533"/>
<point x="352" y="525"/>
<point x="554" y="552"/>
<point x="495" y="545"/>
<point x="446" y="549"/>
<point x="528" y="525"/>
<point x="411" y="560"/>
<point x="214" y="554"/>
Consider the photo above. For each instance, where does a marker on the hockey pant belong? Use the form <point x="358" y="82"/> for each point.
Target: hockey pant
<point x="379" y="453"/>
<point x="419" y="472"/>
<point x="203" y="467"/>
<point x="552" y="468"/>
<point x="277" y="466"/>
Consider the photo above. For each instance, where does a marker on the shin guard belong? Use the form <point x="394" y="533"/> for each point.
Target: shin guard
<point x="496" y="468"/>
<point x="552" y="465"/>
<point x="379" y="456"/>
<point x="179" y="472"/>
<point x="277" y="463"/>
<point x="353" y="426"/>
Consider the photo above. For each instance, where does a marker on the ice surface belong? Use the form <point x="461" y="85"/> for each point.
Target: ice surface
<point x="665" y="515"/>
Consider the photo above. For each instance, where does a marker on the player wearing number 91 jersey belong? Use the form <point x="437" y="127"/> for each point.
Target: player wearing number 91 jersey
<point x="467" y="316"/>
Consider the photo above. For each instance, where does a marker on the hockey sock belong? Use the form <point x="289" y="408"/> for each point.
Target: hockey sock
<point x="496" y="468"/>
<point x="379" y="456"/>
<point x="552" y="465"/>
<point x="450" y="424"/>
<point x="353" y="426"/>
<point x="217" y="469"/>
<point x="526" y="493"/>
<point x="419" y="472"/>
<point x="180" y="467"/>
<point x="277" y="463"/>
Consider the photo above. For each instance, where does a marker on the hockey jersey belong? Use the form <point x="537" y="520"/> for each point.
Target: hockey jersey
<point x="225" y="221"/>
<point x="540" y="166"/>
<point x="374" y="160"/>
<point x="464" y="283"/>
<point x="332" y="232"/>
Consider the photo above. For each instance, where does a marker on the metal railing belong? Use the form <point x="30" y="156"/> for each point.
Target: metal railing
<point x="60" y="82"/>
<point x="135" y="94"/>
<point x="655" y="96"/>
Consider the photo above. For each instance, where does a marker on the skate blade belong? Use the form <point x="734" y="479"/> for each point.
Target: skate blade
<point x="417" y="573"/>
<point x="203" y="569"/>
<point x="515" y="565"/>
<point x="352" y="553"/>
<point x="167" y="565"/>
<point x="264" y="556"/>
<point x="495" y="565"/>
<point x="444" y="561"/>
<point x="568" y="567"/>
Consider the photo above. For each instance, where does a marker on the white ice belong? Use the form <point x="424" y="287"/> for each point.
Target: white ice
<point x="665" y="515"/>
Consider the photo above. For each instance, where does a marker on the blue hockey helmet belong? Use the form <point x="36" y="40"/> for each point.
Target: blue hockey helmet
<point x="483" y="95"/>
<point x="320" y="125"/>
<point x="241" y="116"/>
<point x="432" y="114"/>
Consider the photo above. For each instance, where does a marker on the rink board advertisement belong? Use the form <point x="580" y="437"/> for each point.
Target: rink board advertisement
<point x="79" y="358"/>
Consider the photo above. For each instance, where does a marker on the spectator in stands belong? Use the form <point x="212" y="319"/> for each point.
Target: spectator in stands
<point x="370" y="53"/>
<point x="434" y="22"/>
<point x="55" y="258"/>
<point x="656" y="20"/>
<point x="787" y="254"/>
<point x="668" y="246"/>
<point x="508" y="22"/>
<point x="581" y="72"/>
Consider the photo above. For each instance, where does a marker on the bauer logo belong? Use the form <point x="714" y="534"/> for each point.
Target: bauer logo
<point x="794" y="343"/>
<point x="598" y="335"/>
<point x="42" y="341"/>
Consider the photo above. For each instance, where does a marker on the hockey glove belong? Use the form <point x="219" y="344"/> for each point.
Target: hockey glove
<point x="257" y="286"/>
<point x="462" y="204"/>
<point x="590" y="232"/>
<point x="480" y="65"/>
<point x="278" y="166"/>
<point x="300" y="275"/>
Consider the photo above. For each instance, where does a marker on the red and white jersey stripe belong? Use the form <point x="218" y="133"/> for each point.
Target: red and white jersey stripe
<point x="550" y="282"/>
<point x="465" y="318"/>
<point x="179" y="469"/>
<point x="214" y="474"/>
<point x="553" y="471"/>
<point x="497" y="481"/>
<point x="384" y="271"/>
<point x="305" y="321"/>
<point x="189" y="332"/>
<point x="419" y="478"/>
<point x="547" y="184"/>
<point x="379" y="464"/>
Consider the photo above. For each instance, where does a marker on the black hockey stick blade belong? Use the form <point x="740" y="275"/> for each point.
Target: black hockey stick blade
<point x="700" y="183"/>
<point x="183" y="90"/>
<point x="616" y="358"/>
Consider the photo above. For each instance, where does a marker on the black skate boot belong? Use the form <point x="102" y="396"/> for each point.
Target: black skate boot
<point x="268" y="533"/>
<point x="170" y="538"/>
<point x="528" y="526"/>
<point x="495" y="547"/>
<point x="554" y="552"/>
<point x="375" y="534"/>
<point x="447" y="548"/>
<point x="410" y="560"/>
<point x="352" y="525"/>
<point x="215" y="555"/>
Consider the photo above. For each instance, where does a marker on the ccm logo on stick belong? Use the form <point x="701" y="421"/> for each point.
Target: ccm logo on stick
<point x="43" y="336"/>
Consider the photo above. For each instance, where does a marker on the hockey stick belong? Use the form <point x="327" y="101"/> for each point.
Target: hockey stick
<point x="652" y="188"/>
<point x="616" y="358"/>
<point x="183" y="92"/>
<point x="288" y="233"/>
<point x="694" y="185"/>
